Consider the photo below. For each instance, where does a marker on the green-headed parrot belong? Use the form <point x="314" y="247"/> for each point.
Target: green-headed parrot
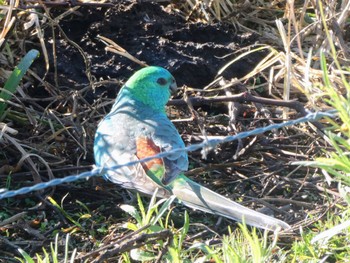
<point x="137" y="127"/>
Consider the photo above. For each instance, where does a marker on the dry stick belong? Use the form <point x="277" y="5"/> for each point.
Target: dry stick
<point x="165" y="249"/>
<point x="14" y="247"/>
<point x="247" y="97"/>
<point x="271" y="206"/>
<point x="9" y="24"/>
<point x="111" y="46"/>
<point x="341" y="42"/>
<point x="242" y="97"/>
<point x="25" y="157"/>
<point x="197" y="118"/>
<point x="233" y="111"/>
<point x="55" y="22"/>
<point x="209" y="167"/>
<point x="32" y="4"/>
<point x="308" y="221"/>
<point x="126" y="237"/>
<point x="12" y="219"/>
<point x="312" y="185"/>
<point x="136" y="242"/>
<point x="286" y="201"/>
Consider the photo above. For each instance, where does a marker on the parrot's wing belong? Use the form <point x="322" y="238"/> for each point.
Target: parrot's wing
<point x="167" y="138"/>
<point x="133" y="177"/>
<point x="111" y="150"/>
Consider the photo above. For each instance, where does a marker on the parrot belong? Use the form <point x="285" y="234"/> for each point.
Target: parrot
<point x="137" y="127"/>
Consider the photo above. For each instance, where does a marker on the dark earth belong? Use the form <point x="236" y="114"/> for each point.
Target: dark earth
<point x="194" y="52"/>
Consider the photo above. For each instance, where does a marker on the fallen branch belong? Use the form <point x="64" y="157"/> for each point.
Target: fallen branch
<point x="242" y="97"/>
<point x="135" y="242"/>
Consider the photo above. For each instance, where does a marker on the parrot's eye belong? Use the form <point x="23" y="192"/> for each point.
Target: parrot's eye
<point x="162" y="81"/>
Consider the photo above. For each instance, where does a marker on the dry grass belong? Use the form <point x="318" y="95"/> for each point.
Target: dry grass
<point x="51" y="136"/>
<point x="295" y="32"/>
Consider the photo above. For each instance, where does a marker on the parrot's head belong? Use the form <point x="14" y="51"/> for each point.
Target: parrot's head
<point x="152" y="86"/>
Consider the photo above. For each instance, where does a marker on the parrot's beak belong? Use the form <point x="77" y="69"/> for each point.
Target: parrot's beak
<point x="173" y="87"/>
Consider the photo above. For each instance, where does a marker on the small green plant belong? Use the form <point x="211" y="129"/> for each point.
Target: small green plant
<point x="243" y="245"/>
<point x="151" y="220"/>
<point x="327" y="246"/>
<point x="15" y="77"/>
<point x="54" y="255"/>
<point x="150" y="217"/>
<point x="83" y="219"/>
<point x="66" y="214"/>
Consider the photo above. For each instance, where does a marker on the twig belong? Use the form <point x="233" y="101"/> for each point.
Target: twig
<point x="319" y="188"/>
<point x="247" y="97"/>
<point x="128" y="236"/>
<point x="14" y="247"/>
<point x="242" y="97"/>
<point x="111" y="46"/>
<point x="12" y="219"/>
<point x="287" y="201"/>
<point x="32" y="4"/>
<point x="136" y="242"/>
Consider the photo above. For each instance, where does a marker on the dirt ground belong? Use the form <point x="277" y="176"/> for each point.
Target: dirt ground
<point x="193" y="52"/>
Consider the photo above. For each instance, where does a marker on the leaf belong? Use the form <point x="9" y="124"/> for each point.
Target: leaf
<point x="54" y="203"/>
<point x="184" y="230"/>
<point x="163" y="209"/>
<point x="15" y="77"/>
<point x="131" y="210"/>
<point x="130" y="226"/>
<point x="25" y="255"/>
<point x="141" y="255"/>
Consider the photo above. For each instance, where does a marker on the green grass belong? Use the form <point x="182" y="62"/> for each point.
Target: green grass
<point x="332" y="248"/>
<point x="53" y="256"/>
<point x="241" y="245"/>
<point x="16" y="76"/>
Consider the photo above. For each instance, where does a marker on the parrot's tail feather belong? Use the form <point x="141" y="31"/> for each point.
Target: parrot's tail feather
<point x="199" y="197"/>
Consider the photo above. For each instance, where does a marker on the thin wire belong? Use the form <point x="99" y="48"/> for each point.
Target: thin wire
<point x="205" y="146"/>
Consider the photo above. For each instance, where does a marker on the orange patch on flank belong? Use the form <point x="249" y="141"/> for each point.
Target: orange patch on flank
<point x="145" y="147"/>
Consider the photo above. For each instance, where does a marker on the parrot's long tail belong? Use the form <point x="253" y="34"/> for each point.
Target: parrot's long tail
<point x="199" y="197"/>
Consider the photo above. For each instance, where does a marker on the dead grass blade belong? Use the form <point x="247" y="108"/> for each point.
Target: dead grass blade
<point x="9" y="21"/>
<point x="111" y="46"/>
